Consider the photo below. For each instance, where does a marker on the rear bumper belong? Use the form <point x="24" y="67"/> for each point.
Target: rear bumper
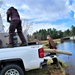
<point x="46" y="61"/>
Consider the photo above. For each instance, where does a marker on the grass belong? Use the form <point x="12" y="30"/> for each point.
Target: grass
<point x="64" y="65"/>
<point x="43" y="71"/>
<point x="55" y="40"/>
<point x="47" y="71"/>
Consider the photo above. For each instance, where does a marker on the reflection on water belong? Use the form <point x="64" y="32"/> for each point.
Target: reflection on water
<point x="70" y="60"/>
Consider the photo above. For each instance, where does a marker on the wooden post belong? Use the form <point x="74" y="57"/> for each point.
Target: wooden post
<point x="58" y="51"/>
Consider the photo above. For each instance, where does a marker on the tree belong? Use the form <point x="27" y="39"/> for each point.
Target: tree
<point x="54" y="33"/>
<point x="60" y="34"/>
<point x="49" y="31"/>
<point x="26" y="26"/>
<point x="66" y="33"/>
<point x="41" y="34"/>
<point x="73" y="30"/>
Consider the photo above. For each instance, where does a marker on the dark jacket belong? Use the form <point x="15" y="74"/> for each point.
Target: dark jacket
<point x="13" y="14"/>
<point x="52" y="44"/>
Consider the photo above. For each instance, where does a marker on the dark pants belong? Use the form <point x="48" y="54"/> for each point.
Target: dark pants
<point x="16" y="24"/>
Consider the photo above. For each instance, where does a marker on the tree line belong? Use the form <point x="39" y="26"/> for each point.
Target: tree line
<point x="55" y="34"/>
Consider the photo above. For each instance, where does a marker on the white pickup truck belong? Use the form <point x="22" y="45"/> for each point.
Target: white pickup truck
<point x="17" y="60"/>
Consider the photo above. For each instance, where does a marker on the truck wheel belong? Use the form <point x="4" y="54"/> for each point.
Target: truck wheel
<point x="12" y="70"/>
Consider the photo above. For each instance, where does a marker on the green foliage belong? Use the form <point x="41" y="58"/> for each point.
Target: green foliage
<point x="41" y="34"/>
<point x="55" y="34"/>
<point x="73" y="30"/>
<point x="66" y="33"/>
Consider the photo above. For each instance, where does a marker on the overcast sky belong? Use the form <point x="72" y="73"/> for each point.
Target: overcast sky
<point x="44" y="14"/>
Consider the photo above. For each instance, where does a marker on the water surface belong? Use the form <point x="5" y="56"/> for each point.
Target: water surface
<point x="70" y="60"/>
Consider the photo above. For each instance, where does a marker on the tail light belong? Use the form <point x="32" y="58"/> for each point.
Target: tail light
<point x="41" y="53"/>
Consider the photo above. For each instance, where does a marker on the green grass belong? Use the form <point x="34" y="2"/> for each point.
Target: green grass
<point x="55" y="40"/>
<point x="46" y="71"/>
<point x="44" y="46"/>
<point x="64" y="65"/>
<point x="43" y="71"/>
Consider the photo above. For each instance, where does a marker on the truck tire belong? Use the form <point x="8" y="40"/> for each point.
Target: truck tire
<point x="12" y="70"/>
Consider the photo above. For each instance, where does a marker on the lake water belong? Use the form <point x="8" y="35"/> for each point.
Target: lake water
<point x="70" y="60"/>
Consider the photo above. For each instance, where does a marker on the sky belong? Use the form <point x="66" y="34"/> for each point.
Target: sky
<point x="43" y="14"/>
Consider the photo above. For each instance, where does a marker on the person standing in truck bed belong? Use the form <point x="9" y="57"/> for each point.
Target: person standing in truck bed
<point x="13" y="18"/>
